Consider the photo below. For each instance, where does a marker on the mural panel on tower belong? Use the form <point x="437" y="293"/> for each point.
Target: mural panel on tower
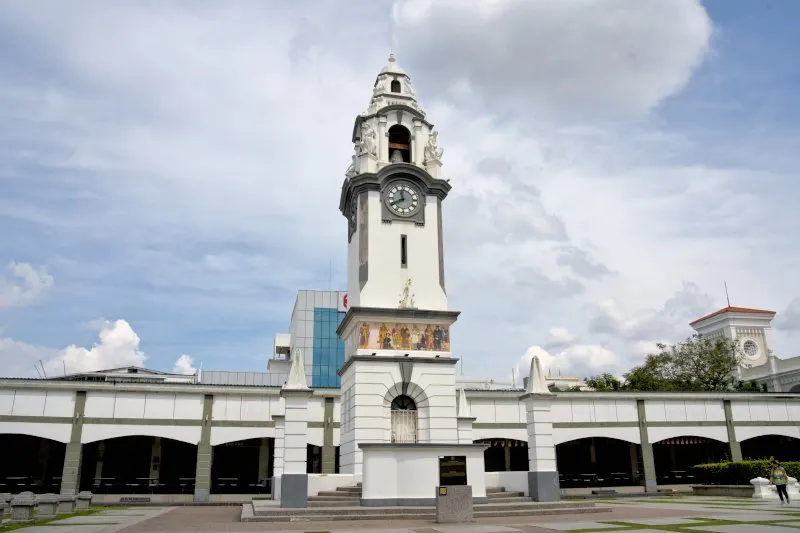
<point x="395" y="336"/>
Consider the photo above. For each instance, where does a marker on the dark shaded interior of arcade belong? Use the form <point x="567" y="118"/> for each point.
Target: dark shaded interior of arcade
<point x="153" y="465"/>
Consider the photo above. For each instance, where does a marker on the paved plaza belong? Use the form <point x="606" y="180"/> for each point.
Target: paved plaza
<point x="632" y="515"/>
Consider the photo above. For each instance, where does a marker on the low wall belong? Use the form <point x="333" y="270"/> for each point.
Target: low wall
<point x="735" y="491"/>
<point x="172" y="499"/>
<point x="511" y="481"/>
<point x="408" y="474"/>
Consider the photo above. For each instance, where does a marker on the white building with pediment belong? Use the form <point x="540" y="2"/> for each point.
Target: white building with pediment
<point x="752" y="329"/>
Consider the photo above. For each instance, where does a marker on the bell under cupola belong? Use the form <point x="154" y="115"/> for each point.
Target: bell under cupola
<point x="394" y="128"/>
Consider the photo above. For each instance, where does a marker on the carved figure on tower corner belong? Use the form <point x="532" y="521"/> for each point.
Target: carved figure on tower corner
<point x="367" y="143"/>
<point x="410" y="88"/>
<point x="351" y="170"/>
<point x="432" y="150"/>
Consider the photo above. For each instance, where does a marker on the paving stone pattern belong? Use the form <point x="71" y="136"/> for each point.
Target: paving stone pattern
<point x="681" y="514"/>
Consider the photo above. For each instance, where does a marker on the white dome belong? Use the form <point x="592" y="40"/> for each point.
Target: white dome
<point x="392" y="67"/>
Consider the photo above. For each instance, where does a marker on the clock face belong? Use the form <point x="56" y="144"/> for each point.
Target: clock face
<point x="750" y="349"/>
<point x="403" y="198"/>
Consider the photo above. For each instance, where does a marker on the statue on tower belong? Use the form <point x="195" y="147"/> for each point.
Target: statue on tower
<point x="367" y="144"/>
<point x="432" y="150"/>
<point x="406" y="297"/>
<point x="410" y="88"/>
<point x="351" y="170"/>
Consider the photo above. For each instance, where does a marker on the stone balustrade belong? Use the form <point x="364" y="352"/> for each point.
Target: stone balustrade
<point x="84" y="500"/>
<point x="22" y="507"/>
<point x="66" y="503"/>
<point x="48" y="505"/>
<point x="27" y="506"/>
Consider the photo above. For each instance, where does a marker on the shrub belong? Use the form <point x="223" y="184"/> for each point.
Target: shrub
<point x="740" y="473"/>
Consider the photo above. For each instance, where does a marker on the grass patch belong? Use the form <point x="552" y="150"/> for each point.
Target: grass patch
<point x="54" y="521"/>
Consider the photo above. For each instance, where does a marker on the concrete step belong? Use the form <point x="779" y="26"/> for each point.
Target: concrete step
<point x="326" y="503"/>
<point x="495" y="495"/>
<point x="494" y="490"/>
<point x="317" y="514"/>
<point x="338" y="493"/>
<point x="349" y="489"/>
<point x="379" y="511"/>
<point x="341" y="498"/>
<point x="511" y="499"/>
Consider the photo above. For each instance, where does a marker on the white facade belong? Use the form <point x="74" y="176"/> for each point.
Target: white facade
<point x="752" y="329"/>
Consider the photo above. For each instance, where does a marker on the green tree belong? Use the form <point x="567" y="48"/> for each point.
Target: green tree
<point x="697" y="364"/>
<point x="604" y="382"/>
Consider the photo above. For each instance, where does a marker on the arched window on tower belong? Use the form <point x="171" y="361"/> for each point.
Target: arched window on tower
<point x="399" y="144"/>
<point x="404" y="420"/>
<point x="395" y="86"/>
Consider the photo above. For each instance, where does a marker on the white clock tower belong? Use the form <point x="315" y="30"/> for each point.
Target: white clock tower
<point x="398" y="379"/>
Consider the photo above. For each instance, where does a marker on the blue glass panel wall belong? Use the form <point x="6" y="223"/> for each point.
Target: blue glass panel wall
<point x="328" y="348"/>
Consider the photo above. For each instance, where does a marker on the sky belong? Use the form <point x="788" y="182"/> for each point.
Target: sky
<point x="170" y="173"/>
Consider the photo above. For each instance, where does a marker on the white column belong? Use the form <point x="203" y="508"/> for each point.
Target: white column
<point x="294" y="481"/>
<point x="543" y="483"/>
<point x="416" y="156"/>
<point x="383" y="143"/>
<point x="263" y="459"/>
<point x="280" y="442"/>
<point x="464" y="419"/>
<point x="295" y="433"/>
<point x="155" y="461"/>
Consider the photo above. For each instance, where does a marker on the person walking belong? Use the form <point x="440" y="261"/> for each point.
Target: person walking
<point x="779" y="478"/>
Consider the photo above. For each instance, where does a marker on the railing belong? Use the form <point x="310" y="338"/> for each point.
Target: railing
<point x="404" y="427"/>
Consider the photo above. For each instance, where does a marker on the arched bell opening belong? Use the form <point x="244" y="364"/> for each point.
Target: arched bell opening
<point x="404" y="420"/>
<point x="399" y="144"/>
<point x="395" y="86"/>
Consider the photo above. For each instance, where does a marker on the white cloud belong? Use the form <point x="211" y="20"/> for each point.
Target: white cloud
<point x="789" y="320"/>
<point x="579" y="360"/>
<point x="118" y="346"/>
<point x="184" y="365"/>
<point x="672" y="318"/>
<point x="558" y="338"/>
<point x="189" y="138"/>
<point x="600" y="56"/>
<point x="22" y="284"/>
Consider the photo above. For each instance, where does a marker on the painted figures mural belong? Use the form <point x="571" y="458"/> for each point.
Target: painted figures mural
<point x="392" y="336"/>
